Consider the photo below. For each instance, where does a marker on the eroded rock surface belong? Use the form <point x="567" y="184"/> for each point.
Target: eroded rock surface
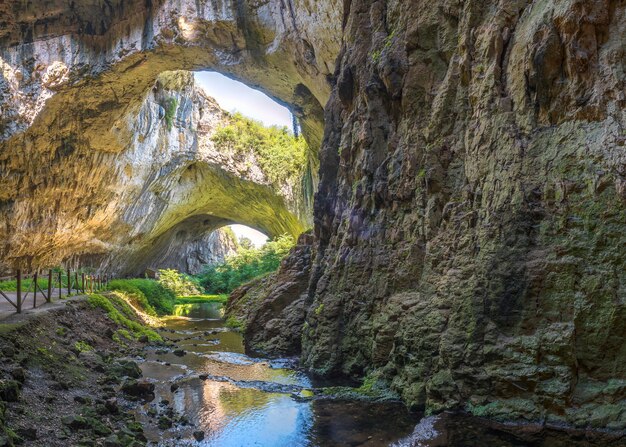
<point x="271" y="309"/>
<point x="471" y="217"/>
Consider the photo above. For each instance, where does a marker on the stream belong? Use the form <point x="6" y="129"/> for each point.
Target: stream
<point x="214" y="391"/>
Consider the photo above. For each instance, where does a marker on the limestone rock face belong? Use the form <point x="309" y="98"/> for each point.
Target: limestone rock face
<point x="73" y="80"/>
<point x="159" y="200"/>
<point x="190" y="252"/>
<point x="471" y="216"/>
<point x="272" y="308"/>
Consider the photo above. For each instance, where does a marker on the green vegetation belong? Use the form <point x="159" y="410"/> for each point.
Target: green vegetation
<point x="281" y="155"/>
<point x="319" y="309"/>
<point x="247" y="264"/>
<point x="372" y="389"/>
<point x="201" y="299"/>
<point x="11" y="285"/>
<point x="146" y="294"/>
<point x="170" y="111"/>
<point x="177" y="283"/>
<point x="82" y="346"/>
<point x="377" y="54"/>
<point x="235" y="323"/>
<point x="27" y="283"/>
<point x="121" y="313"/>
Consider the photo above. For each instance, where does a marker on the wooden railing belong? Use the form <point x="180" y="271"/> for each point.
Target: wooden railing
<point x="54" y="282"/>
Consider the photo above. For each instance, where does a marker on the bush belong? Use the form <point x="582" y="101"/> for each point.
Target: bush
<point x="247" y="264"/>
<point x="179" y="284"/>
<point x="149" y="294"/>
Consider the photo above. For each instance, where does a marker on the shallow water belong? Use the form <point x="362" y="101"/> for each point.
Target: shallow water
<point x="241" y="401"/>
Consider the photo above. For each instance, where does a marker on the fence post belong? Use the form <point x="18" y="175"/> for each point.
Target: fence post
<point x="60" y="282"/>
<point x="35" y="279"/>
<point x="19" y="291"/>
<point x="69" y="281"/>
<point x="82" y="276"/>
<point x="76" y="283"/>
<point x="49" y="297"/>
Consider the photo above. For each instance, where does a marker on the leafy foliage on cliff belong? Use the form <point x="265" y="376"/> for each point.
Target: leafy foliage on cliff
<point x="247" y="264"/>
<point x="170" y="112"/>
<point x="280" y="155"/>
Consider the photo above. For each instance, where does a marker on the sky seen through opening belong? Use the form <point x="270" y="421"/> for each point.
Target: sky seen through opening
<point x="234" y="96"/>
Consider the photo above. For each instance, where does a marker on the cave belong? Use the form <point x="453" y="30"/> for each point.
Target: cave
<point x="460" y="218"/>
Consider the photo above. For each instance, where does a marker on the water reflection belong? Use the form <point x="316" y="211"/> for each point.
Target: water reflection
<point x="239" y="417"/>
<point x="211" y="311"/>
<point x="247" y="401"/>
<point x="242" y="407"/>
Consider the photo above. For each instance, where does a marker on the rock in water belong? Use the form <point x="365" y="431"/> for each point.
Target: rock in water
<point x="138" y="388"/>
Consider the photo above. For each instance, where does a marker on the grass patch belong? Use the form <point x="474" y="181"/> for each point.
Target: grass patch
<point x="5" y="328"/>
<point x="146" y="294"/>
<point x="118" y="310"/>
<point x="201" y="299"/>
<point x="11" y="285"/>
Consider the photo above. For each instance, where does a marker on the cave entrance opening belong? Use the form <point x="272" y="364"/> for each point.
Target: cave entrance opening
<point x="230" y="155"/>
<point x="248" y="237"/>
<point x="235" y="96"/>
<point x="101" y="147"/>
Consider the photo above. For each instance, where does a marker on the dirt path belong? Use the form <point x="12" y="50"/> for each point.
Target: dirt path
<point x="7" y="311"/>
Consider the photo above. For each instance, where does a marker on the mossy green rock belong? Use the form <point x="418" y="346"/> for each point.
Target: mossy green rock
<point x="75" y="422"/>
<point x="125" y="368"/>
<point x="471" y="219"/>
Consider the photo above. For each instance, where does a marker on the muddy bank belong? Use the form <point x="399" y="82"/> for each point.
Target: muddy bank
<point x="64" y="380"/>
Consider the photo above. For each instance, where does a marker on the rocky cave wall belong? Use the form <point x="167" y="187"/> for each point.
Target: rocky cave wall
<point x="470" y="222"/>
<point x="471" y="217"/>
<point x="189" y="247"/>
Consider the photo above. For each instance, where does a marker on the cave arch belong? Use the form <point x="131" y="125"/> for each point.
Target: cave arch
<point x="87" y="73"/>
<point x="188" y="247"/>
